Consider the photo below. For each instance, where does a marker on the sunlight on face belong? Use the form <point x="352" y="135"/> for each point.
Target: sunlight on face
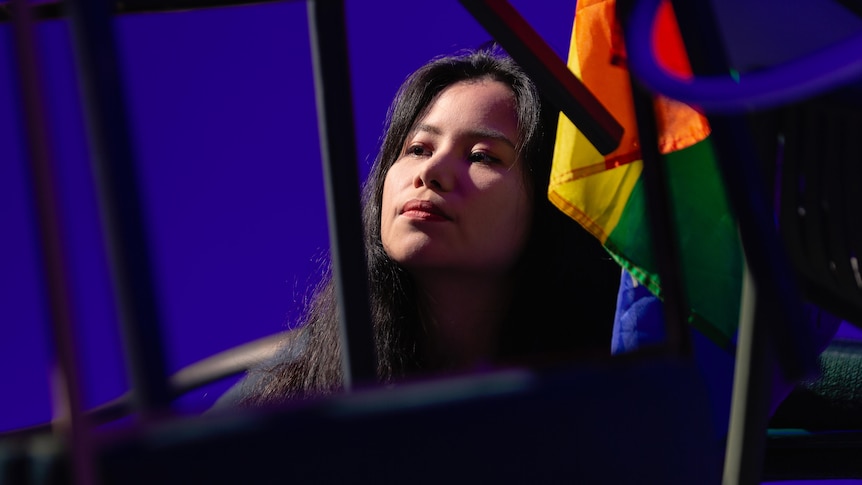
<point x="455" y="199"/>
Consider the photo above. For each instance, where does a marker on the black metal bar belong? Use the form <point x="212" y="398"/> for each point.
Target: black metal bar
<point x="664" y="237"/>
<point x="120" y="203"/>
<point x="548" y="71"/>
<point x="71" y="422"/>
<point x="663" y="232"/>
<point x="327" y="26"/>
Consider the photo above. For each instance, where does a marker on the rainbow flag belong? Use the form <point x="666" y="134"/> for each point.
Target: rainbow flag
<point x="605" y="194"/>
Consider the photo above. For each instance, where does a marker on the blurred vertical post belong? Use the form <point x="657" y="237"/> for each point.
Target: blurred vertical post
<point x="122" y="213"/>
<point x="70" y="421"/>
<point x="327" y="28"/>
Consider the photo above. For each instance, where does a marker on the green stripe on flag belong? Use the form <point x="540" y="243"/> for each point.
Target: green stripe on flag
<point x="711" y="255"/>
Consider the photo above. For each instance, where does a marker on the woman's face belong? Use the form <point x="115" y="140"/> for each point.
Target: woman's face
<point x="455" y="199"/>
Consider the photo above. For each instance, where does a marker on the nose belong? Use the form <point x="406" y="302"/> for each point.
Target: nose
<point x="437" y="172"/>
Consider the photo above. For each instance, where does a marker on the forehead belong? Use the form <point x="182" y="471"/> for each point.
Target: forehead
<point x="479" y="94"/>
<point x="478" y="105"/>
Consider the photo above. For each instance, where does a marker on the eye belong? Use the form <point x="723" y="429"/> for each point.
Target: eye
<point x="482" y="157"/>
<point x="417" y="151"/>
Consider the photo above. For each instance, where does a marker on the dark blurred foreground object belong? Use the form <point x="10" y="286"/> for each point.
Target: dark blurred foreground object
<point x="585" y="424"/>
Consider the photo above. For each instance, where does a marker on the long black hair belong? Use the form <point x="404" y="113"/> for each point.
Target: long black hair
<point x="564" y="282"/>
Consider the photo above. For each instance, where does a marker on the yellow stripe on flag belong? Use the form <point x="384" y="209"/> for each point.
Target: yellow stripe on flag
<point x="591" y="188"/>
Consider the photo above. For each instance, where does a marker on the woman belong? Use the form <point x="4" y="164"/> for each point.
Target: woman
<point x="469" y="264"/>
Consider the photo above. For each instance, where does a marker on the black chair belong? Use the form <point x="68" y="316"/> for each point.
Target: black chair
<point x="807" y="254"/>
<point x="817" y="174"/>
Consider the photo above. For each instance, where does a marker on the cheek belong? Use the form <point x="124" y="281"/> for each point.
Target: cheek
<point x="506" y="203"/>
<point x="387" y="206"/>
<point x="505" y="222"/>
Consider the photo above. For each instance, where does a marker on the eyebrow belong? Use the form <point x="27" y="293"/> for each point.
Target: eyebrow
<point x="482" y="133"/>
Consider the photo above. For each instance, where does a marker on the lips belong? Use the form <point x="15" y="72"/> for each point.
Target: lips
<point x="424" y="210"/>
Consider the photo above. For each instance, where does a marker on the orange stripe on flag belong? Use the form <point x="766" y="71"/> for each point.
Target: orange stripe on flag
<point x="597" y="56"/>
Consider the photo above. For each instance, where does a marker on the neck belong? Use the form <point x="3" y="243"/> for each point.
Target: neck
<point x="464" y="315"/>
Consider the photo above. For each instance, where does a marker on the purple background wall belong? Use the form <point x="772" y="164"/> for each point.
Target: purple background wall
<point x="224" y="126"/>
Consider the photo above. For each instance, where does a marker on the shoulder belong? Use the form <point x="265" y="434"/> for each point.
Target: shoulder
<point x="262" y="372"/>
